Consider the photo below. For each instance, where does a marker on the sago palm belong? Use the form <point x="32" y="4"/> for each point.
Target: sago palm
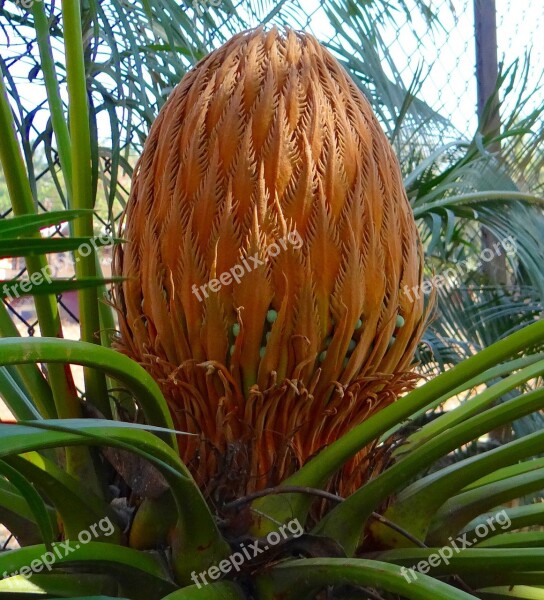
<point x="292" y="376"/>
<point x="269" y="242"/>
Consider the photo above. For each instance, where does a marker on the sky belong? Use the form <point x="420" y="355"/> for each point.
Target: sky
<point x="447" y="54"/>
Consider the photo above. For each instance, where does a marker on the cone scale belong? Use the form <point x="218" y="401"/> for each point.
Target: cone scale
<point x="269" y="243"/>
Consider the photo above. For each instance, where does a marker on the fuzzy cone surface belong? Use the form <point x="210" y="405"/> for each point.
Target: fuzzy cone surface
<point x="267" y="162"/>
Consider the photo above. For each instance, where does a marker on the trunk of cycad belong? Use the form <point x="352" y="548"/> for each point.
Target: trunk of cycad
<point x="267" y="139"/>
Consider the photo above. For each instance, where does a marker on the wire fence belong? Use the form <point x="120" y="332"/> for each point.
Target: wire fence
<point x="437" y="56"/>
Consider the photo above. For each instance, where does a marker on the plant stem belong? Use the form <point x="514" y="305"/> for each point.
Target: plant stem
<point x="95" y="382"/>
<point x="65" y="397"/>
<point x="58" y="118"/>
<point x="23" y="203"/>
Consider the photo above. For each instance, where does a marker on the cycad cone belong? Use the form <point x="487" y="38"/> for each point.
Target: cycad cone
<point x="267" y="139"/>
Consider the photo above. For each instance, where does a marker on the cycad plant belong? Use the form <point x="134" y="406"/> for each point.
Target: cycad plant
<point x="250" y="150"/>
<point x="269" y="244"/>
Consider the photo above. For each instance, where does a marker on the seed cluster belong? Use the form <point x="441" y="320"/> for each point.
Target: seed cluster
<point x="265" y="137"/>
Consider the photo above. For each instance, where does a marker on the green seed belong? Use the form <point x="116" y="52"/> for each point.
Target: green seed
<point x="322" y="356"/>
<point x="232" y="350"/>
<point x="400" y="321"/>
<point x="352" y="345"/>
<point x="236" y="329"/>
<point x="271" y="315"/>
<point x="328" y="341"/>
<point x="391" y="341"/>
<point x="267" y="336"/>
<point x="359" y="324"/>
<point x="262" y="351"/>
